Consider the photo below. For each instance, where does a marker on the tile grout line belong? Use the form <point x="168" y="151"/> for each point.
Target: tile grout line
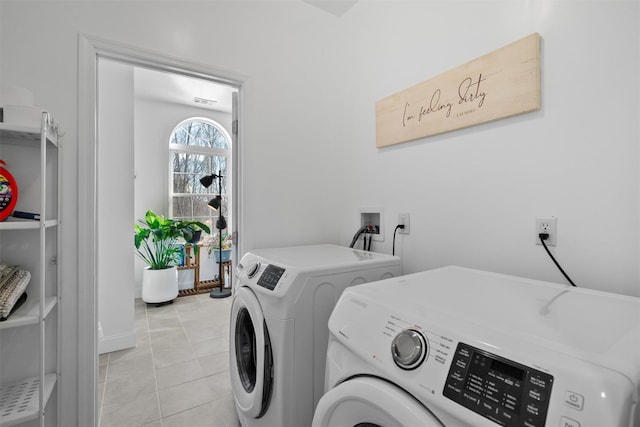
<point x="104" y="386"/>
<point x="185" y="329"/>
<point x="200" y="304"/>
<point x="153" y="364"/>
<point x="190" y="343"/>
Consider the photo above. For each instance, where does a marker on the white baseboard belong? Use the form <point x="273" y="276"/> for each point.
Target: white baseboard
<point x="116" y="342"/>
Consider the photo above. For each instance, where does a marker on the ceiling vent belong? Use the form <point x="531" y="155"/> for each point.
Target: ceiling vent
<point x="204" y="101"/>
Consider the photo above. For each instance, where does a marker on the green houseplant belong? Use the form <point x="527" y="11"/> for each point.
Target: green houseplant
<point x="156" y="242"/>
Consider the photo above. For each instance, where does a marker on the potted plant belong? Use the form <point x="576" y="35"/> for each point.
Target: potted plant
<point x="226" y="247"/>
<point x="193" y="234"/>
<point x="156" y="242"/>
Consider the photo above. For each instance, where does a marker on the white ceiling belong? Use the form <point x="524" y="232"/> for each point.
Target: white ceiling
<point x="179" y="89"/>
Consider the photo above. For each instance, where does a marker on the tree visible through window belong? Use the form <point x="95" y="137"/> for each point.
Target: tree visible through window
<point x="198" y="147"/>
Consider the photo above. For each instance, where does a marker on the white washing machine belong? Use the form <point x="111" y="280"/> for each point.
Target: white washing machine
<point x="461" y="347"/>
<point x="279" y="332"/>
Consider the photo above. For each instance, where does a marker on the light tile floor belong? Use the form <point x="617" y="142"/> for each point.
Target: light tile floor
<point x="177" y="375"/>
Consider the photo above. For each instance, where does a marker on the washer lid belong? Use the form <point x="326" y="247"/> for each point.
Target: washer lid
<point x="324" y="258"/>
<point x="372" y="402"/>
<point x="603" y="328"/>
<point x="586" y="319"/>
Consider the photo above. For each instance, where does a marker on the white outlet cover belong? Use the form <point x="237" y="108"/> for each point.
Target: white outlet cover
<point x="404" y="218"/>
<point x="548" y="224"/>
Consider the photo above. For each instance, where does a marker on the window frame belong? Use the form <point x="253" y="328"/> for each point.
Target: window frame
<point x="204" y="151"/>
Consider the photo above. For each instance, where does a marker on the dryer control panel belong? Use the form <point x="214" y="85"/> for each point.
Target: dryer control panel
<point x="499" y="389"/>
<point x="269" y="279"/>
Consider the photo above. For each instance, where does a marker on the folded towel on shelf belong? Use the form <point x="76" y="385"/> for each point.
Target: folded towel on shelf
<point x="13" y="282"/>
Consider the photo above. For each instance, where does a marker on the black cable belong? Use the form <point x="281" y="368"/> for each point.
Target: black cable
<point x="357" y="235"/>
<point x="393" y="250"/>
<point x="370" y="240"/>
<point x="543" y="237"/>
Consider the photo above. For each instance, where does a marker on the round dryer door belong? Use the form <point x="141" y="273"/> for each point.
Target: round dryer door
<point x="371" y="402"/>
<point x="251" y="359"/>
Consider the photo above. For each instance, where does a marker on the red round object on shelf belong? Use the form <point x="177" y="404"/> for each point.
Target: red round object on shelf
<point x="8" y="192"/>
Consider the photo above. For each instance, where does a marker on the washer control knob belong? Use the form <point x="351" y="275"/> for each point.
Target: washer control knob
<point x="409" y="349"/>
<point x="253" y="270"/>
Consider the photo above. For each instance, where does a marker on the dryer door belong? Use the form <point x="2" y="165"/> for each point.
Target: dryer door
<point x="371" y="402"/>
<point x="251" y="359"/>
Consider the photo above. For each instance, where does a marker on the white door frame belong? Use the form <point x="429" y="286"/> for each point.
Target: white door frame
<point x="90" y="48"/>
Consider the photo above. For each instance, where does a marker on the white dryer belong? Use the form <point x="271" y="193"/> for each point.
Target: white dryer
<point x="461" y="347"/>
<point x="279" y="332"/>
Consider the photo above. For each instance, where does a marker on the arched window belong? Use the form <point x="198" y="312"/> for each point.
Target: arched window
<point x="198" y="147"/>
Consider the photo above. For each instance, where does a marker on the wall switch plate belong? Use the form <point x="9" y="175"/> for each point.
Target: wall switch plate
<point x="549" y="225"/>
<point x="403" y="219"/>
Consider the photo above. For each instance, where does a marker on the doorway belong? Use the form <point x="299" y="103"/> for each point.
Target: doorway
<point x="92" y="182"/>
<point x="159" y="132"/>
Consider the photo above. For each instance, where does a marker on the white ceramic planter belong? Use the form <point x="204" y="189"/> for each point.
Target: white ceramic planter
<point x="159" y="286"/>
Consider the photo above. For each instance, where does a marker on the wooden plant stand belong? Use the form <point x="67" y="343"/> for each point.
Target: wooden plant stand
<point x="200" y="286"/>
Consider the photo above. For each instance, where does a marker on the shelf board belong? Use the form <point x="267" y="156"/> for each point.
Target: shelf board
<point x="29" y="313"/>
<point x="19" y="401"/>
<point x="25" y="224"/>
<point x="28" y="135"/>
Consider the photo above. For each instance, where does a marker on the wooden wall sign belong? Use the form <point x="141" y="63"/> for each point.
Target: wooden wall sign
<point x="499" y="84"/>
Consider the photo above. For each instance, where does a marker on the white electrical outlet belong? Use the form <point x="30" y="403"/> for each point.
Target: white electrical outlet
<point x="549" y="225"/>
<point x="403" y="219"/>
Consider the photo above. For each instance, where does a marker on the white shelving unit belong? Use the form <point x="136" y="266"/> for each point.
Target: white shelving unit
<point x="29" y="354"/>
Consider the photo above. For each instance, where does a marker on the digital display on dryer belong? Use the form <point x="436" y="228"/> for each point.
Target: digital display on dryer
<point x="506" y="392"/>
<point x="269" y="279"/>
<point x="508" y="370"/>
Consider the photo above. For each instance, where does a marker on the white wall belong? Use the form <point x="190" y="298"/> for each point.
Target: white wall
<point x="309" y="160"/>
<point x="473" y="194"/>
<point x="115" y="206"/>
<point x="154" y="122"/>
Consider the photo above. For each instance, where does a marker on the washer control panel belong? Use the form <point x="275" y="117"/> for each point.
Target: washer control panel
<point x="270" y="277"/>
<point x="499" y="389"/>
